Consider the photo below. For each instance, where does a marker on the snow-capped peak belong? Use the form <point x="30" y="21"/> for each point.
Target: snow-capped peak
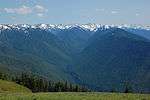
<point x="89" y="27"/>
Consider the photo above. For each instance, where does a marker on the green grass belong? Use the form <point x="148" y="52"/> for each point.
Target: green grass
<point x="74" y="96"/>
<point x="13" y="91"/>
<point x="11" y="87"/>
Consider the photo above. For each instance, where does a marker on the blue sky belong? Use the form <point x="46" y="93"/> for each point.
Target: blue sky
<point x="75" y="11"/>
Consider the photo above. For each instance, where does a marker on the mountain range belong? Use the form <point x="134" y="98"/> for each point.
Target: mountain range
<point x="100" y="57"/>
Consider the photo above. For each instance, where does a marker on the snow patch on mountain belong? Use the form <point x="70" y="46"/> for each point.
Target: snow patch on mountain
<point x="89" y="27"/>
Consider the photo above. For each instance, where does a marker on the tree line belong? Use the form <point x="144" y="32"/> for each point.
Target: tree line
<point x="41" y="84"/>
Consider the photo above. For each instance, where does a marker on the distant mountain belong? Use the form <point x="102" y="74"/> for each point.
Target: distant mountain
<point x="33" y="50"/>
<point x="75" y="38"/>
<point x="113" y="58"/>
<point x="101" y="57"/>
<point x="141" y="32"/>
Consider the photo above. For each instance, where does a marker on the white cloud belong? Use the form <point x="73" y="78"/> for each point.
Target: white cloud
<point x="100" y="9"/>
<point x="137" y="14"/>
<point x="13" y="17"/>
<point x="1" y="10"/>
<point x="40" y="15"/>
<point x="40" y="9"/>
<point x="9" y="10"/>
<point x="114" y="12"/>
<point x="23" y="10"/>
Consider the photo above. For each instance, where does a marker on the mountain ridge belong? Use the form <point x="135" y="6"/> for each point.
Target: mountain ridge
<point x="108" y="53"/>
<point x="82" y="54"/>
<point x="90" y="27"/>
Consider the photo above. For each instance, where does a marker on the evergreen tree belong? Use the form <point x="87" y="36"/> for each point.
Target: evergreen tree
<point x="41" y="84"/>
<point x="128" y="88"/>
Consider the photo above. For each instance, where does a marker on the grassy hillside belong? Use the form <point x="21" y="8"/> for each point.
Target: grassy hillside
<point x="11" y="87"/>
<point x="75" y="96"/>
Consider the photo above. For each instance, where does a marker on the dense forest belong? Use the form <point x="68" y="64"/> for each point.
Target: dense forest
<point x="40" y="84"/>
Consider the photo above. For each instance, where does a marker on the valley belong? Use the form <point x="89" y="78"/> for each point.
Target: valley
<point x="100" y="57"/>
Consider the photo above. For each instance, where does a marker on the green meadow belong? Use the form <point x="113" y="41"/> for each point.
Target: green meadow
<point x="12" y="91"/>
<point x="73" y="96"/>
<point x="11" y="87"/>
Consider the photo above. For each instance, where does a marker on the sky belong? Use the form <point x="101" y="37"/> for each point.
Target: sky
<point x="75" y="11"/>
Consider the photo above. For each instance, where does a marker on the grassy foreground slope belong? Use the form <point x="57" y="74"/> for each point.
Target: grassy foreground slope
<point x="75" y="96"/>
<point x="11" y="87"/>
